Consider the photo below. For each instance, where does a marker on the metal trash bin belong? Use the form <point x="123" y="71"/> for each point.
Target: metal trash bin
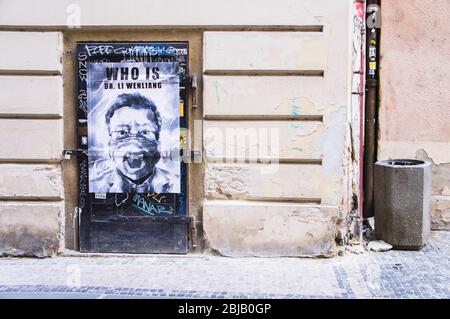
<point x="402" y="202"/>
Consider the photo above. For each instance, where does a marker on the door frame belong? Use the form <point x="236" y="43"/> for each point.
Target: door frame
<point x="70" y="170"/>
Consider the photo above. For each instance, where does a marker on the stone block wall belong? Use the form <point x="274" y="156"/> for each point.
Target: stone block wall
<point x="279" y="72"/>
<point x="31" y="143"/>
<point x="276" y="136"/>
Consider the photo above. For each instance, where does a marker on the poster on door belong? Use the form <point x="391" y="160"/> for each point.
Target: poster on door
<point x="134" y="127"/>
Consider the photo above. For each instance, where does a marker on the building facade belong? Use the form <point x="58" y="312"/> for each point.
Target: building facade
<point x="414" y="110"/>
<point x="274" y="117"/>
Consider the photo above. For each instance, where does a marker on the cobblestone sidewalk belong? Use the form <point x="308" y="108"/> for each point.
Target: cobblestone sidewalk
<point x="393" y="274"/>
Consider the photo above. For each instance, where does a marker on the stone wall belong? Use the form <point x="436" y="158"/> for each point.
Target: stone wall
<point x="31" y="143"/>
<point x="292" y="88"/>
<point x="276" y="105"/>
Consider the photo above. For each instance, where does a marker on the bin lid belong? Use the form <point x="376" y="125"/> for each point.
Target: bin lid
<point x="403" y="162"/>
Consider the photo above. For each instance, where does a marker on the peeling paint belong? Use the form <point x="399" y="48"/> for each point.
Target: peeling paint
<point x="441" y="174"/>
<point x="440" y="210"/>
<point x="440" y="213"/>
<point x="31" y="229"/>
<point x="269" y="230"/>
<point x="226" y="182"/>
<point x="334" y="141"/>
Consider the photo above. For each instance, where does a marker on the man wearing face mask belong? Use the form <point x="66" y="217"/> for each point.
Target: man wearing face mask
<point x="134" y="126"/>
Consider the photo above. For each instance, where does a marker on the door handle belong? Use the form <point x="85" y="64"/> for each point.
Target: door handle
<point x="191" y="156"/>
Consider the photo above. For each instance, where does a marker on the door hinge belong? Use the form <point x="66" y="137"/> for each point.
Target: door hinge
<point x="69" y="153"/>
<point x="192" y="84"/>
<point x="193" y="231"/>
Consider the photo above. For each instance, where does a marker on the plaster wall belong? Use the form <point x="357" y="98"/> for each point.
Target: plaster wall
<point x="414" y="112"/>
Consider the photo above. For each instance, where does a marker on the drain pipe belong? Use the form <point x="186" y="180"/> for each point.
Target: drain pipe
<point x="371" y="109"/>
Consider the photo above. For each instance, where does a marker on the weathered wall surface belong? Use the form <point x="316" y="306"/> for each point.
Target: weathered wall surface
<point x="31" y="144"/>
<point x="414" y="104"/>
<point x="285" y="96"/>
<point x="282" y="73"/>
<point x="270" y="229"/>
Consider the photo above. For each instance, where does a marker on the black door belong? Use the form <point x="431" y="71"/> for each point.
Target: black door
<point x="132" y="110"/>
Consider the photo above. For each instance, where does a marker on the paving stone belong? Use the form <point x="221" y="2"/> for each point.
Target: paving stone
<point x="392" y="274"/>
<point x="378" y="246"/>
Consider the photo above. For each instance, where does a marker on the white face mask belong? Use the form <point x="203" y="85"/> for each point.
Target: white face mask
<point x="134" y="147"/>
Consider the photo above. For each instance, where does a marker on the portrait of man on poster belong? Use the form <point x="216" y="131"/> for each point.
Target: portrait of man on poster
<point x="134" y="127"/>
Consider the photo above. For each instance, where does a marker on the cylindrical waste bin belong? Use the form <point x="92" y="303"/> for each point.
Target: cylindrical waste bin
<point x="402" y="202"/>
